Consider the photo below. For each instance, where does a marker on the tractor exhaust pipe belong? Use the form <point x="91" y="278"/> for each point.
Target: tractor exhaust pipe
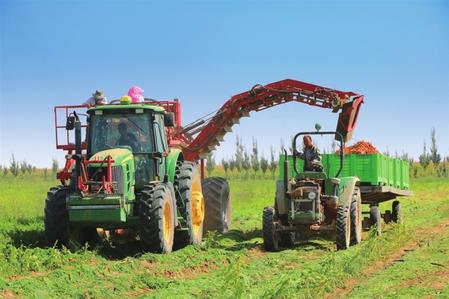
<point x="77" y="151"/>
<point x="286" y="172"/>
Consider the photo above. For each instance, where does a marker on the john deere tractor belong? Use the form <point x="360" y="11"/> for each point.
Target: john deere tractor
<point x="309" y="201"/>
<point x="125" y="178"/>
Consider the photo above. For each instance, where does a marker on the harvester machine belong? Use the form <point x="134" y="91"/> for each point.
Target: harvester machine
<point x="134" y="169"/>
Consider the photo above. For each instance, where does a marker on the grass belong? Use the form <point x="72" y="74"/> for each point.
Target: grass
<point x="231" y="265"/>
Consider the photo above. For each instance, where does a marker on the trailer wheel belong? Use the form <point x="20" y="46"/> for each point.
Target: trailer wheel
<point x="356" y="218"/>
<point x="375" y="219"/>
<point x="190" y="201"/>
<point x="397" y="213"/>
<point x="56" y="218"/>
<point x="270" y="236"/>
<point x="217" y="204"/>
<point x="157" y="218"/>
<point x="343" y="228"/>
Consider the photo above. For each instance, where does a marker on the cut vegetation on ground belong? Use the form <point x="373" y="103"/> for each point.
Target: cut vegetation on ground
<point x="409" y="260"/>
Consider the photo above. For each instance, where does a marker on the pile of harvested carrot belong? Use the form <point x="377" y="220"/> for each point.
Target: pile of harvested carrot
<point x="361" y="147"/>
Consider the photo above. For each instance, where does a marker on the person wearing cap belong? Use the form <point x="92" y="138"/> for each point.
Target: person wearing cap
<point x="310" y="155"/>
<point x="97" y="98"/>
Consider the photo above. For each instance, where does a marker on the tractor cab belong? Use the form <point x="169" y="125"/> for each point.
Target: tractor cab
<point x="125" y="147"/>
<point x="136" y="133"/>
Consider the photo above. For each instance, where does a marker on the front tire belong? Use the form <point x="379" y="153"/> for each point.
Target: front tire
<point x="157" y="218"/>
<point x="270" y="236"/>
<point x="343" y="228"/>
<point x="190" y="202"/>
<point x="217" y="204"/>
<point x="356" y="218"/>
<point x="56" y="217"/>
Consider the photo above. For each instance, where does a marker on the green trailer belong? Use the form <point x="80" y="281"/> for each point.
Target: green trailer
<point x="382" y="178"/>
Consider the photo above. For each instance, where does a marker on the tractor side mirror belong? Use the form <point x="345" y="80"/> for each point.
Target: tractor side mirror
<point x="169" y="120"/>
<point x="70" y="124"/>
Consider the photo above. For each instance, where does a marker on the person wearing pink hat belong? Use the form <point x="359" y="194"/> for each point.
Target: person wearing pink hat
<point x="136" y="94"/>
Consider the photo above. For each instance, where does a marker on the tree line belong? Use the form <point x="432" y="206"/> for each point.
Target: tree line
<point x="250" y="164"/>
<point x="21" y="168"/>
<point x="431" y="161"/>
<point x="244" y="163"/>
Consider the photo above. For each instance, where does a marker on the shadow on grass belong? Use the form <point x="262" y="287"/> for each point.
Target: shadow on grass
<point x="236" y="240"/>
<point x="120" y="251"/>
<point x="29" y="233"/>
<point x="26" y="232"/>
<point x="313" y="242"/>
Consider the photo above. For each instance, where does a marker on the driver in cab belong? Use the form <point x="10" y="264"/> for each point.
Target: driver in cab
<point x="126" y="138"/>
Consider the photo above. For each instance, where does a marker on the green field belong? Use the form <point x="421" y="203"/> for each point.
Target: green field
<point x="408" y="260"/>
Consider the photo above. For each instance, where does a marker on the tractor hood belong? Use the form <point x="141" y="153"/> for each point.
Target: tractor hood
<point x="119" y="155"/>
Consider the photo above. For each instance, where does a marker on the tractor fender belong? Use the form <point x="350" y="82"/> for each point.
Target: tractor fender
<point x="346" y="190"/>
<point x="281" y="204"/>
<point x="172" y="159"/>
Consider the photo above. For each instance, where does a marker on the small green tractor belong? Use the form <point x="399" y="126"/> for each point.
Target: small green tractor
<point x="312" y="202"/>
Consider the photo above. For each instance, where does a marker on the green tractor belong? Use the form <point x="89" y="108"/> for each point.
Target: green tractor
<point x="311" y="202"/>
<point x="129" y="177"/>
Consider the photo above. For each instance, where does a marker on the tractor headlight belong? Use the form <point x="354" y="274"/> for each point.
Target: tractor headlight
<point x="311" y="195"/>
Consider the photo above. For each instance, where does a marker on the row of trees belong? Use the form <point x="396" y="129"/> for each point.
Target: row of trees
<point x="17" y="168"/>
<point x="245" y="164"/>
<point x="432" y="156"/>
<point x="431" y="161"/>
<point x="250" y="163"/>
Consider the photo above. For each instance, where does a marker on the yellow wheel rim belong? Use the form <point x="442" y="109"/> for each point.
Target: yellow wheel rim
<point x="167" y="214"/>
<point x="197" y="204"/>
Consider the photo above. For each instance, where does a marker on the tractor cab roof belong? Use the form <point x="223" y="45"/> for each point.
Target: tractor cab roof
<point x="127" y="106"/>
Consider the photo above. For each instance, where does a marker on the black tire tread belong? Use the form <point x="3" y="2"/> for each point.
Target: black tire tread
<point x="183" y="184"/>
<point x="270" y="242"/>
<point x="217" y="198"/>
<point x="375" y="219"/>
<point x="356" y="232"/>
<point x="341" y="233"/>
<point x="396" y="212"/>
<point x="56" y="217"/>
<point x="151" y="233"/>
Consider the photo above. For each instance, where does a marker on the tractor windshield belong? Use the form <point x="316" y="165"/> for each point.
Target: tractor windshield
<point x="120" y="129"/>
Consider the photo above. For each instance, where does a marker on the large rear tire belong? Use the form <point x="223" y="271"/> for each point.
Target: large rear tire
<point x="270" y="236"/>
<point x="343" y="228"/>
<point x="217" y="205"/>
<point x="157" y="220"/>
<point x="190" y="202"/>
<point x="56" y="218"/>
<point x="356" y="218"/>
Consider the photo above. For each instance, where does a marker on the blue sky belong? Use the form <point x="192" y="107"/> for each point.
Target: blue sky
<point x="396" y="53"/>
